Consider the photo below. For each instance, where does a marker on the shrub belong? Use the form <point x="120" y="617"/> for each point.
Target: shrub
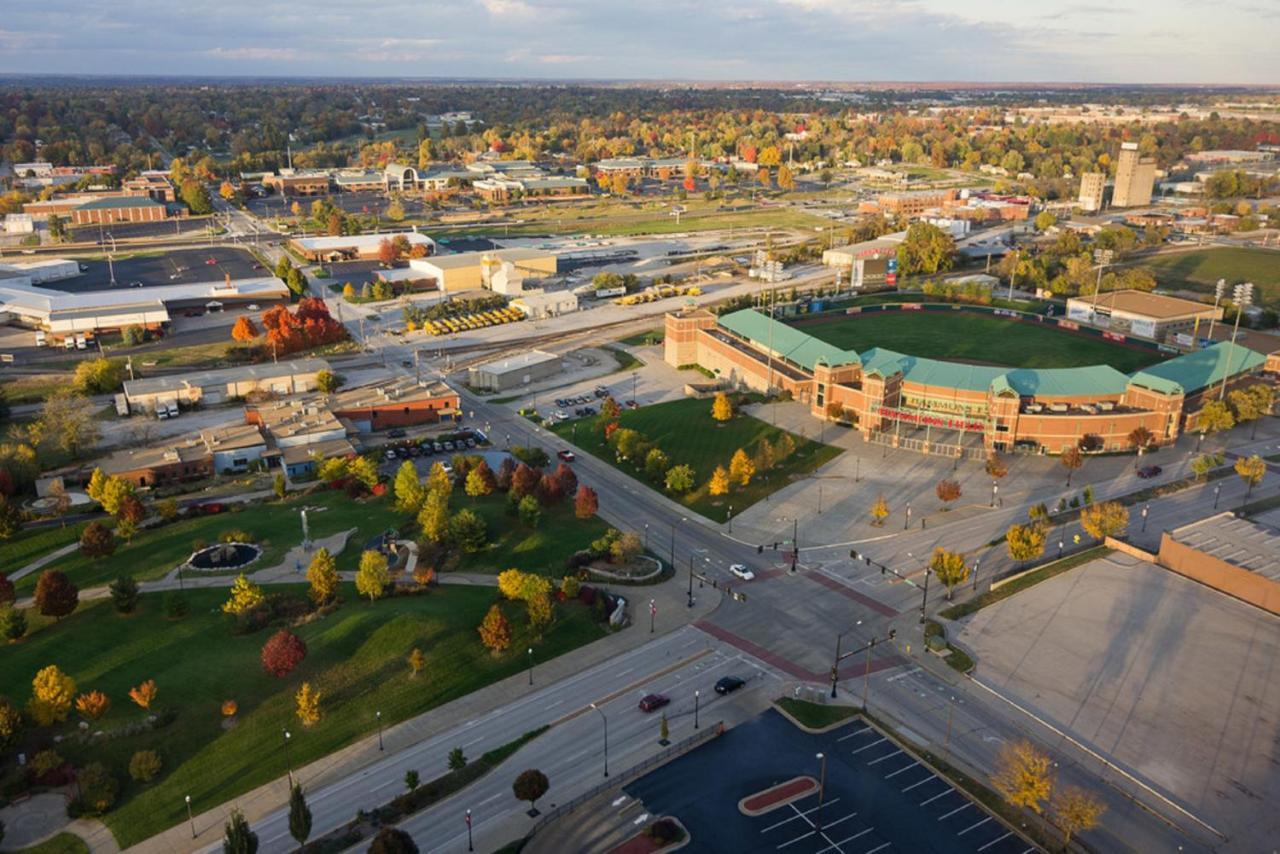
<point x="175" y="606"/>
<point x="45" y="761"/>
<point x="144" y="766"/>
<point x="97" y="787"/>
<point x="282" y="652"/>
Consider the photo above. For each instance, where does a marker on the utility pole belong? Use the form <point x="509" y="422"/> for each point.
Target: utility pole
<point x="1242" y="296"/>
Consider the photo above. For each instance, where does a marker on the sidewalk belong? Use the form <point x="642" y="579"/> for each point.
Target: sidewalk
<point x="672" y="614"/>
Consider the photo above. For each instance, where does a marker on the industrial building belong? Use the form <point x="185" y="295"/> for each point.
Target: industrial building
<point x="870" y="264"/>
<point x="1232" y="555"/>
<point x="464" y="271"/>
<point x="289" y="182"/>
<point x="104" y="211"/>
<point x="515" y="371"/>
<point x="538" y="305"/>
<point x="223" y="384"/>
<point x="1145" y="315"/>
<point x="1135" y="177"/>
<point x="402" y="402"/>
<point x="350" y="247"/>
<point x="1092" y="186"/>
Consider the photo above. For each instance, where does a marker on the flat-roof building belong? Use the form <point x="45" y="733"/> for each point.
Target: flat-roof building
<point x="352" y="246"/>
<point x="872" y="263"/>
<point x="1135" y="177"/>
<point x="290" y="183"/>
<point x="119" y="209"/>
<point x="464" y="271"/>
<point x="402" y="402"/>
<point x="1092" y="185"/>
<point x="224" y="384"/>
<point x="1232" y="555"/>
<point x="515" y="371"/>
<point x="1146" y="315"/>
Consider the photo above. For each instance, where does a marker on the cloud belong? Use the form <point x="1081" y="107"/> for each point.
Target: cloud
<point x="256" y="54"/>
<point x="507" y="8"/>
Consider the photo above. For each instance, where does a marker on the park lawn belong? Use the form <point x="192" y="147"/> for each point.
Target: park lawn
<point x="543" y="550"/>
<point x="62" y="843"/>
<point x="356" y="659"/>
<point x="686" y="432"/>
<point x="967" y="337"/>
<point x="275" y="525"/>
<point x="1200" y="269"/>
<point x="30" y="543"/>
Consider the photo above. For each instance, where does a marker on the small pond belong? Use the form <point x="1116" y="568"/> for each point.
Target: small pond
<point x="225" y="556"/>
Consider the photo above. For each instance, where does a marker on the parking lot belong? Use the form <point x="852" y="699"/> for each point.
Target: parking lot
<point x="877" y="797"/>
<point x="179" y="267"/>
<point x="189" y="226"/>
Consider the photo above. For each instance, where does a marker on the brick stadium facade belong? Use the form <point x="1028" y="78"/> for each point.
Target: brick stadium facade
<point x="892" y="396"/>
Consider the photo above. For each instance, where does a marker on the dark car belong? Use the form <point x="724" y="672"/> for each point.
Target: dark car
<point x="653" y="702"/>
<point x="729" y="684"/>
<point x="631" y="404"/>
<point x="396" y="433"/>
<point x="1149" y="471"/>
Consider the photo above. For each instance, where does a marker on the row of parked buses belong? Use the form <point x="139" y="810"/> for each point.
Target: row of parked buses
<point x="479" y="320"/>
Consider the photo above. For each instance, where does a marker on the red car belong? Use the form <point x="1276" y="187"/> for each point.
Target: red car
<point x="567" y="456"/>
<point x="1149" y="471"/>
<point x="653" y="702"/>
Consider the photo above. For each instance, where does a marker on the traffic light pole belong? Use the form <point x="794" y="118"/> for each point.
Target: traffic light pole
<point x="835" y="665"/>
<point x="924" y="601"/>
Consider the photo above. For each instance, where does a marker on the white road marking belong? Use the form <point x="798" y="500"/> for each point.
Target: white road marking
<point x="904" y="674"/>
<point x="921" y="783"/>
<point x="797" y="839"/>
<point x="963" y="806"/>
<point x="883" y="758"/>
<point x="935" y="797"/>
<point x="868" y="746"/>
<point x="862" y="731"/>
<point x="836" y="845"/>
<point x="620" y="801"/>
<point x="900" y="770"/>
<point x="878" y="848"/>
<point x="994" y="841"/>
<point x="641" y="819"/>
<point x="826" y="827"/>
<point x="972" y="826"/>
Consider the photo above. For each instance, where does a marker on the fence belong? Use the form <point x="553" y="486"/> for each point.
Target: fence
<point x="935" y="449"/>
<point x="713" y="731"/>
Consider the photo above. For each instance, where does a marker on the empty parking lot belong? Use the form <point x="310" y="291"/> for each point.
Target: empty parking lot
<point x="878" y="798"/>
<point x="179" y="267"/>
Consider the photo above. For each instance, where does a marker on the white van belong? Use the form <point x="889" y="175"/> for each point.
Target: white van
<point x="40" y="339"/>
<point x="81" y="344"/>
<point x="172" y="406"/>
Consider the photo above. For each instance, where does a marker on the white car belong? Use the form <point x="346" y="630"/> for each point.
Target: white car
<point x="742" y="572"/>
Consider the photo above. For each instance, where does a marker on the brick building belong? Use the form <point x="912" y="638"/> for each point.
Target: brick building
<point x="119" y="209"/>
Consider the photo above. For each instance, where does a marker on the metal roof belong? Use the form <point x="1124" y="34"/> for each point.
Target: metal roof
<point x="1193" y="371"/>
<point x="221" y="376"/>
<point x="120" y="202"/>
<point x="785" y="341"/>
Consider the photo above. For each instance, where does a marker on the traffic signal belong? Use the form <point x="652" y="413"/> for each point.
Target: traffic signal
<point x="882" y="568"/>
<point x="893" y="633"/>
<point x="775" y="545"/>
<point x="853" y="554"/>
<point x="760" y="549"/>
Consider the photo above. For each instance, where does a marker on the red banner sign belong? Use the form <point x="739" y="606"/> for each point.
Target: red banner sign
<point x="926" y="419"/>
<point x="1068" y="324"/>
<point x="1113" y="336"/>
<point x="912" y="306"/>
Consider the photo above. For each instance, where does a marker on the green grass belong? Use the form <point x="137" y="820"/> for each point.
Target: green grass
<point x="1200" y="269"/>
<point x="625" y="360"/>
<point x="29" y="544"/>
<point x="356" y="660"/>
<point x="1029" y="579"/>
<point x="32" y="389"/>
<point x="686" y="432"/>
<point x="63" y="843"/>
<point x="815" y="715"/>
<point x="968" y="337"/>
<point x="641" y="339"/>
<point x="543" y="549"/>
<point x="275" y="525"/>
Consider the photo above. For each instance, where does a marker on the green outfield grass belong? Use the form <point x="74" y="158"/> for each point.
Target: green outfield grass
<point x="968" y="337"/>
<point x="356" y="659"/>
<point x="686" y="432"/>
<point x="1200" y="269"/>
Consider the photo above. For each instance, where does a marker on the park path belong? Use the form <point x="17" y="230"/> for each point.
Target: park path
<point x="44" y="560"/>
<point x="33" y="820"/>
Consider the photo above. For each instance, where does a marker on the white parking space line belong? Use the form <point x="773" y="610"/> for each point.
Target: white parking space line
<point x="994" y="841"/>
<point x="963" y="806"/>
<point x="921" y="783"/>
<point x="972" y="826"/>
<point x="877" y="848"/>
<point x="836" y="845"/>
<point x="797" y="839"/>
<point x="862" y="731"/>
<point x="799" y="814"/>
<point x="900" y="770"/>
<point x="883" y="758"/>
<point x="830" y="825"/>
<point x="868" y="746"/>
<point x="942" y="794"/>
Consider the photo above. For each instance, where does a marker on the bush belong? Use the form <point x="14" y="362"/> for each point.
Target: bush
<point x="176" y="606"/>
<point x="144" y="766"/>
<point x="236" y="535"/>
<point x="664" y="831"/>
<point x="97" y="788"/>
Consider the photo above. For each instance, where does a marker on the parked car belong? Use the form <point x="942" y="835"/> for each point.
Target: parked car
<point x="653" y="702"/>
<point x="437" y="447"/>
<point x="390" y="454"/>
<point x="742" y="572"/>
<point x="397" y="433"/>
<point x="566" y="455"/>
<point x="471" y="443"/>
<point x="631" y="404"/>
<point x="729" y="684"/>
<point x="448" y="446"/>
<point x="1149" y="471"/>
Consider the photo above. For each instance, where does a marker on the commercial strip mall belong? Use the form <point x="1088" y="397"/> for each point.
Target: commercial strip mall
<point x="956" y="409"/>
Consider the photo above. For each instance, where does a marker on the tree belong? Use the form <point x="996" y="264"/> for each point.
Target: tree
<point x="765" y="458"/>
<point x="55" y="595"/>
<point x="196" y="197"/>
<point x="996" y="466"/>
<point x="13" y="624"/>
<point x="926" y="249"/>
<point x="307" y="705"/>
<point x="1025" y="542"/>
<point x="392" y="840"/>
<point x="457" y="759"/>
<point x="879" y="511"/>
<point x="626" y="549"/>
<point x="411" y="779"/>
<point x="7" y="592"/>
<point x="585" y="503"/>
<point x="237" y="838"/>
<point x="679" y="479"/>
<point x="468" y="531"/>
<point x="721" y="408"/>
<point x="349" y="292"/>
<point x="124" y="594"/>
<point x="363" y="471"/>
<point x="1045" y="220"/>
<point x="66" y="423"/>
<point x="529" y="512"/>
<point x="1105" y="519"/>
<point x="114" y="493"/>
<point x="407" y="488"/>
<point x="1075" y="810"/>
<point x="282" y="652"/>
<point x="495" y="631"/>
<point x="480" y="481"/>
<point x="387" y="253"/>
<point x="656" y="463"/>
<point x="947" y="490"/>
<point x="1206" y="463"/>
<point x="10" y="725"/>
<point x="416" y="660"/>
<point x="786" y="179"/>
<point x="741" y="468"/>
<point x="244" y="330"/>
<point x="395" y="210"/>
<point x="97" y="787"/>
<point x="245" y="596"/>
<point x="372" y="577"/>
<point x="433" y="518"/>
<point x="327" y="382"/>
<point x="10" y="517"/>
<point x="93" y="704"/>
<point x="144" y="694"/>
<point x="1250" y="470"/>
<point x="144" y="765"/>
<point x="529" y="786"/>
<point x="540" y="611"/>
<point x="1023" y="775"/>
<point x="99" y="376"/>
<point x="332" y="469"/>
<point x="568" y="480"/>
<point x="1215" y="417"/>
<point x="299" y="815"/>
<point x="439" y="482"/>
<point x="719" y="483"/>
<point x="949" y="568"/>
<point x="52" y="693"/>
<point x="1071" y="460"/>
<point x="279" y="486"/>
<point x="322" y="576"/>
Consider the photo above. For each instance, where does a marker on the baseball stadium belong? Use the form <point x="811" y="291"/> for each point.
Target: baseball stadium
<point x="954" y="408"/>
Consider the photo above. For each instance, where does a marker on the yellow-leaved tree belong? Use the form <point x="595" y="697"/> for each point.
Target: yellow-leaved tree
<point x="495" y="631"/>
<point x="719" y="483"/>
<point x="372" y="577"/>
<point x="322" y="575"/>
<point x="721" y="408"/>
<point x="417" y="660"/>
<point x="145" y="694"/>
<point x="1023" y="775"/>
<point x="741" y="469"/>
<point x="949" y="567"/>
<point x="308" y="703"/>
<point x="52" y="693"/>
<point x="1105" y="519"/>
<point x="245" y="596"/>
<point x="879" y="511"/>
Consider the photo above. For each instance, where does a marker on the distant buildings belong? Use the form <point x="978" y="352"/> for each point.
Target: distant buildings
<point x="1092" y="185"/>
<point x="1135" y="176"/>
<point x="349" y="247"/>
<point x="222" y="385"/>
<point x="148" y="198"/>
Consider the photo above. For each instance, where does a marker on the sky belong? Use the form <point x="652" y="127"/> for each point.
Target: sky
<point x="1122" y="41"/>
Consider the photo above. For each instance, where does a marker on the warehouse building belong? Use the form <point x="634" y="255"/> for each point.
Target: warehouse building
<point x="538" y="305"/>
<point x="1232" y="555"/>
<point x="1144" y="315"/>
<point x="222" y="385"/>
<point x="515" y="371"/>
<point x="402" y="402"/>
<point x="349" y="247"/>
<point x="105" y="211"/>
<point x="466" y="271"/>
<point x="291" y="183"/>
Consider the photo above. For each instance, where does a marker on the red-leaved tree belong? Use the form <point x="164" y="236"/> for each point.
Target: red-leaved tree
<point x="585" y="503"/>
<point x="282" y="652"/>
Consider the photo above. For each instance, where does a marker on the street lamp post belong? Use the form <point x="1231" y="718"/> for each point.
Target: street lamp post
<point x="653" y="612"/>
<point x="866" y="675"/>
<point x="976" y="563"/>
<point x="1061" y="544"/>
<point x="696" y="695"/>
<point x="287" y="761"/>
<point x="605" y="718"/>
<point x="469" y="847"/>
<point x="646" y="534"/>
<point x="995" y="487"/>
<point x="907" y="523"/>
<point x="946" y="749"/>
<point x="530" y="665"/>
<point x="924" y="600"/>
<point x="822" y="787"/>
<point x="378" y="716"/>
<point x="1146" y="508"/>
<point x="190" y="817"/>
<point x="1217" y="490"/>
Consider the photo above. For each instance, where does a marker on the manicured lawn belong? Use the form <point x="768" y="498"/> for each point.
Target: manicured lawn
<point x="640" y="339"/>
<point x="275" y="525"/>
<point x="815" y="715"/>
<point x="356" y="659"/>
<point x="543" y="549"/>
<point x="29" y="544"/>
<point x="63" y="843"/>
<point x="967" y="337"/>
<point x="1200" y="269"/>
<point x="686" y="432"/>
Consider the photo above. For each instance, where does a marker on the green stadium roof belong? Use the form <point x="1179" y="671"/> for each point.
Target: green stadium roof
<point x="1193" y="371"/>
<point x="115" y="202"/>
<point x="786" y="341"/>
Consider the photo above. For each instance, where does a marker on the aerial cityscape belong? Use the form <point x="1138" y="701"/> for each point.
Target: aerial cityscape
<point x="817" y="428"/>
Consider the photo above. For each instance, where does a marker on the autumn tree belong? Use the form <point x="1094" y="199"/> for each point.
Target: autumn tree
<point x="1251" y="470"/>
<point x="327" y="382"/>
<point x="372" y="577"/>
<point x="996" y="467"/>
<point x="363" y="471"/>
<point x="438" y="481"/>
<point x="322" y="576"/>
<point x="879" y="511"/>
<point x="1206" y="463"/>
<point x="52" y="693"/>
<point x="1104" y="519"/>
<point x="244" y="330"/>
<point x="1025" y="542"/>
<point x="947" y="490"/>
<point x="495" y="631"/>
<point x="741" y="468"/>
<point x="926" y="249"/>
<point x="245" y="596"/>
<point x="144" y="695"/>
<point x="144" y="765"/>
<point x="8" y="594"/>
<point x="55" y="595"/>
<point x="299" y="815"/>
<point x="307" y="705"/>
<point x="93" y="704"/>
<point x="719" y="483"/>
<point x="1215" y="417"/>
<point x="1074" y="811"/>
<point x="1071" y="460"/>
<point x="529" y="786"/>
<point x="679" y="479"/>
<point x="481" y="481"/>
<point x="568" y="480"/>
<point x="97" y="540"/>
<point x="1023" y="775"/>
<point x="1140" y="437"/>
<point x="416" y="661"/>
<point x="433" y="518"/>
<point x="949" y="568"/>
<point x="282" y="652"/>
<point x="721" y="408"/>
<point x="585" y="503"/>
<point x="407" y="487"/>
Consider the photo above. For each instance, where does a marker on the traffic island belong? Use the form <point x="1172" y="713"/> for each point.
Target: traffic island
<point x="780" y="795"/>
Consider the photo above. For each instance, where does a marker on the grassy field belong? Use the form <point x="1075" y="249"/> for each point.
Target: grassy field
<point x="31" y="543"/>
<point x="32" y="388"/>
<point x="276" y="526"/>
<point x="814" y="715"/>
<point x="63" y="843"/>
<point x="1200" y="269"/>
<point x="967" y="337"/>
<point x="686" y="432"/>
<point x="356" y="659"/>
<point x="641" y="339"/>
<point x="543" y="550"/>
